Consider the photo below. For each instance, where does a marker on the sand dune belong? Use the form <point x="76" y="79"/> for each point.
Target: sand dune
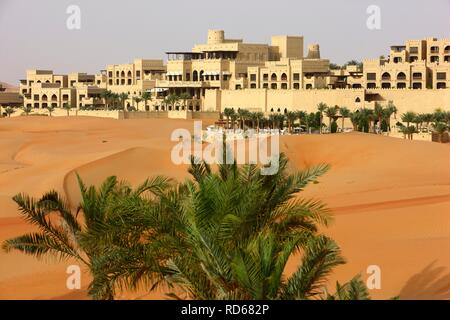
<point x="390" y="197"/>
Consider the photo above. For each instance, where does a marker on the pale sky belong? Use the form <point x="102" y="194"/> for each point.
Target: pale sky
<point x="33" y="33"/>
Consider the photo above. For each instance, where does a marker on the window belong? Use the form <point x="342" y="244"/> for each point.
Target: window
<point x="273" y="86"/>
<point x="371" y="76"/>
<point x="414" y="50"/>
<point x="434" y="59"/>
<point x="309" y="86"/>
<point x="284" y="86"/>
<point x="253" y="86"/>
<point x="401" y="85"/>
<point x="371" y="85"/>
<point x="401" y="76"/>
<point x="296" y="76"/>
<point x="129" y="81"/>
<point x="253" y="77"/>
<point x="110" y="74"/>
<point x="238" y="87"/>
<point x="273" y="77"/>
<point x="296" y="86"/>
<point x="36" y="97"/>
<point x="441" y="76"/>
<point x="413" y="58"/>
<point x="188" y="76"/>
<point x="441" y="85"/>
<point x="265" y="77"/>
<point x="417" y="75"/>
<point x="284" y="77"/>
<point x="138" y="74"/>
<point x="417" y="85"/>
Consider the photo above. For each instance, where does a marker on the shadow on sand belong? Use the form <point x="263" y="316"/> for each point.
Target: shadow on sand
<point x="432" y="283"/>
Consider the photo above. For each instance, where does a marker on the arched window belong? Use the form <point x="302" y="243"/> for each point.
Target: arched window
<point x="285" y="110"/>
<point x="401" y="76"/>
<point x="195" y="75"/>
<point x="122" y="74"/>
<point x="129" y="74"/>
<point x="54" y="97"/>
<point x="44" y="97"/>
<point x="271" y="110"/>
<point x="197" y="108"/>
<point x="273" y="77"/>
<point x="386" y="76"/>
<point x="284" y="77"/>
<point x="357" y="100"/>
<point x="201" y="75"/>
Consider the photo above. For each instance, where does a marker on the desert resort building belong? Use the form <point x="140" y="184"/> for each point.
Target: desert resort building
<point x="277" y="77"/>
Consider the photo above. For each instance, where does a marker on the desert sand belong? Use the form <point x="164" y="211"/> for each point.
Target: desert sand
<point x="390" y="197"/>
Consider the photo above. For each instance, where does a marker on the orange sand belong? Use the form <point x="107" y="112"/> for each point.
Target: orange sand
<point x="391" y="197"/>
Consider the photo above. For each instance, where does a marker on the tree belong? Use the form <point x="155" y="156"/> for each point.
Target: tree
<point x="146" y="96"/>
<point x="408" y="117"/>
<point x="9" y="111"/>
<point x="184" y="96"/>
<point x="259" y="120"/>
<point x="228" y="112"/>
<point x="50" y="109"/>
<point x="123" y="97"/>
<point x="225" y="235"/>
<point x="106" y="95"/>
<point x="67" y="107"/>
<point x="27" y="109"/>
<point x="321" y="107"/>
<point x="64" y="234"/>
<point x="138" y="100"/>
<point x="378" y="113"/>
<point x="291" y="117"/>
<point x="345" y="113"/>
<point x="172" y="100"/>
<point x="242" y="114"/>
<point x="331" y="113"/>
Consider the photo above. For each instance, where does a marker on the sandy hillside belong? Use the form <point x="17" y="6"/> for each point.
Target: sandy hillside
<point x="391" y="197"/>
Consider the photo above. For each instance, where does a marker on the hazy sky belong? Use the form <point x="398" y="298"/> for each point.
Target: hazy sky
<point x="33" y="33"/>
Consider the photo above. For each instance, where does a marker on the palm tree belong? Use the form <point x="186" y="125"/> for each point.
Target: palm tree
<point x="408" y="117"/>
<point x="331" y="113"/>
<point x="242" y="114"/>
<point x="228" y="112"/>
<point x="234" y="118"/>
<point x="146" y="96"/>
<point x="123" y="97"/>
<point x="184" y="96"/>
<point x="378" y="112"/>
<point x="27" y="109"/>
<point x="259" y="120"/>
<point x="9" y="111"/>
<point x="291" y="117"/>
<point x="302" y="117"/>
<point x="440" y="129"/>
<point x="321" y="107"/>
<point x="67" y="107"/>
<point x="64" y="234"/>
<point x="345" y="113"/>
<point x="172" y="100"/>
<point x="137" y="99"/>
<point x="50" y="109"/>
<point x="106" y="95"/>
<point x="226" y="235"/>
<point x="408" y="131"/>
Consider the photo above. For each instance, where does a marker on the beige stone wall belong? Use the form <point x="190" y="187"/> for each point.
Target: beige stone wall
<point x="267" y="100"/>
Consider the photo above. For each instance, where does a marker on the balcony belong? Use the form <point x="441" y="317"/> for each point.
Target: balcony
<point x="181" y="84"/>
<point x="434" y="50"/>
